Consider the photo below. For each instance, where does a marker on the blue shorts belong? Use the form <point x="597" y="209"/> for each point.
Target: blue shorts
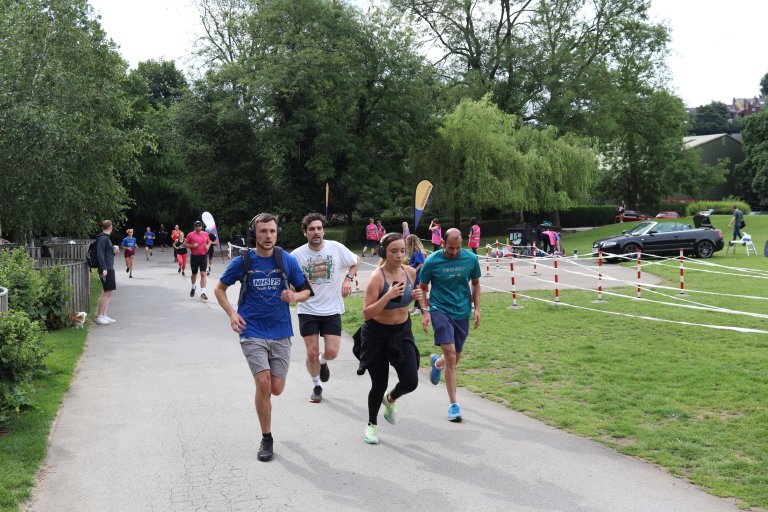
<point x="449" y="331"/>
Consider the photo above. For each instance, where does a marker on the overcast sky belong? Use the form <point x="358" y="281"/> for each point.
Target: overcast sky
<point x="718" y="48"/>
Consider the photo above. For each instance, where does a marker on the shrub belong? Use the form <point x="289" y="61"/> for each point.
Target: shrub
<point x="723" y="207"/>
<point x="53" y="307"/>
<point x="21" y="358"/>
<point x="24" y="283"/>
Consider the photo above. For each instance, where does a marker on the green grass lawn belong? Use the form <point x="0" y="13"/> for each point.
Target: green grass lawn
<point x="24" y="441"/>
<point x="691" y="399"/>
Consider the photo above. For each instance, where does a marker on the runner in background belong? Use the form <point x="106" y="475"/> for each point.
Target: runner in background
<point x="474" y="235"/>
<point x="149" y="242"/>
<point x="371" y="238"/>
<point x="129" y="250"/>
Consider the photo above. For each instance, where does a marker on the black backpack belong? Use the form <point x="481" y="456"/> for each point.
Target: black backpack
<point x="92" y="257"/>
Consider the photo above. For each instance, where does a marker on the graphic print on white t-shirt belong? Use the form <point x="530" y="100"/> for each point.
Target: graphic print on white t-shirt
<point x="326" y="270"/>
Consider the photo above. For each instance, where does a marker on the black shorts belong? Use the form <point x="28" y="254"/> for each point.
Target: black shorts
<point x="198" y="262"/>
<point x="108" y="283"/>
<point x="210" y="252"/>
<point x="371" y="244"/>
<point x="311" y="324"/>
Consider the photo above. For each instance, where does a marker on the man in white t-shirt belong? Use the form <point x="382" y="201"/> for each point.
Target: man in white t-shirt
<point x="331" y="269"/>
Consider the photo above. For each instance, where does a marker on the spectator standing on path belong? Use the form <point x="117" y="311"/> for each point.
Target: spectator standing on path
<point x="129" y="247"/>
<point x="448" y="308"/>
<point x="105" y="253"/>
<point x="437" y="235"/>
<point x="149" y="242"/>
<point x="330" y="268"/>
<point x="386" y="336"/>
<point x="371" y="238"/>
<point x="175" y="236"/>
<point x="620" y="210"/>
<point x="162" y="234"/>
<point x="181" y="254"/>
<point x="263" y="318"/>
<point x="406" y="230"/>
<point x="198" y="242"/>
<point x="474" y="235"/>
<point x="737" y="219"/>
<point x="211" y="252"/>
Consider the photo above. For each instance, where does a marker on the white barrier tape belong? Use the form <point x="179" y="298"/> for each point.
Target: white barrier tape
<point x="641" y="317"/>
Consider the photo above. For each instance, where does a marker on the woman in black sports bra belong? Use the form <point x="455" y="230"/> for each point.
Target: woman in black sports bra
<point x="386" y="336"/>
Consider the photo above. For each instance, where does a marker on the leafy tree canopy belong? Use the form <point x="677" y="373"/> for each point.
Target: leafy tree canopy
<point x="712" y="118"/>
<point x="64" y="155"/>
<point x="486" y="158"/>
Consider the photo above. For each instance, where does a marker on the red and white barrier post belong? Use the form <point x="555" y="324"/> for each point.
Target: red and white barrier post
<point x="557" y="283"/>
<point x="599" y="276"/>
<point x="514" y="288"/>
<point x="639" y="275"/>
<point x="487" y="261"/>
<point x="682" y="274"/>
<point x="535" y="272"/>
<point x="497" y="253"/>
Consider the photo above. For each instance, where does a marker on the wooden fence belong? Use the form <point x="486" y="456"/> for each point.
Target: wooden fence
<point x="79" y="279"/>
<point x="3" y="299"/>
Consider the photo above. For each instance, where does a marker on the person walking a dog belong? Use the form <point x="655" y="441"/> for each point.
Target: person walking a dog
<point x="331" y="268"/>
<point x="263" y="317"/>
<point x="105" y="253"/>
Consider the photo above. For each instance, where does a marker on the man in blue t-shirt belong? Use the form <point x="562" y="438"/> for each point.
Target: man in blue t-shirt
<point x="448" y="308"/>
<point x="263" y="317"/>
<point x="149" y="242"/>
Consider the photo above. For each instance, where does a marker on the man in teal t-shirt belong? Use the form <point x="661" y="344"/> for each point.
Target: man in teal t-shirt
<point x="450" y="272"/>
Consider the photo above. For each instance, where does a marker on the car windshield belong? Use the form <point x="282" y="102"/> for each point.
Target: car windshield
<point x="641" y="228"/>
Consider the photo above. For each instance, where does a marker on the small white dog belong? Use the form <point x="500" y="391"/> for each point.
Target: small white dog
<point x="77" y="320"/>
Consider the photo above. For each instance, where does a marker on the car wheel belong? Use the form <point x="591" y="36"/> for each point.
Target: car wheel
<point x="630" y="250"/>
<point x="705" y="249"/>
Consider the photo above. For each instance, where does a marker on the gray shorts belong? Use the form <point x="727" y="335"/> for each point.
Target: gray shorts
<point x="263" y="354"/>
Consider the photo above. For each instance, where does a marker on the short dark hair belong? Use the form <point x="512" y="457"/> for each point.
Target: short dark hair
<point x="310" y="218"/>
<point x="473" y="220"/>
<point x="106" y="224"/>
<point x="262" y="218"/>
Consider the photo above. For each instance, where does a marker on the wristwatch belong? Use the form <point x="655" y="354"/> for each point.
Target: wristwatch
<point x="350" y="277"/>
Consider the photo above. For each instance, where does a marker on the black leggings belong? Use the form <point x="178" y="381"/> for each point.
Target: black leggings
<point x="407" y="374"/>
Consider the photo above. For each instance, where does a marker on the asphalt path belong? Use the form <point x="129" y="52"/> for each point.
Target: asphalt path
<point x="160" y="417"/>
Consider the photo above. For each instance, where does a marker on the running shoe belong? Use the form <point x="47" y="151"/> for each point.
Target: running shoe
<point x="390" y="410"/>
<point x="371" y="435"/>
<point x="109" y="319"/>
<point x="192" y="292"/>
<point x="434" y="374"/>
<point x="454" y="413"/>
<point x="183" y="274"/>
<point x="100" y="320"/>
<point x="130" y="275"/>
<point x="203" y="296"/>
<point x="317" y="395"/>
<point x="126" y="270"/>
<point x="208" y="272"/>
<point x="179" y="271"/>
<point x="325" y="373"/>
<point x="265" y="449"/>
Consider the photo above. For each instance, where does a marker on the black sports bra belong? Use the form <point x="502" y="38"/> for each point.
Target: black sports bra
<point x="400" y="302"/>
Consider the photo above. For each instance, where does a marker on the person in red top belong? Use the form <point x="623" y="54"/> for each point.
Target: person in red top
<point x="198" y="243"/>
<point x="371" y="238"/>
<point x="474" y="235"/>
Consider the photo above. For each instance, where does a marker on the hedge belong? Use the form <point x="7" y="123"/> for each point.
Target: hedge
<point x="724" y="207"/>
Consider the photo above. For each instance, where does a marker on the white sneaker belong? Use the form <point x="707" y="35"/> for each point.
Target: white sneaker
<point x="110" y="319"/>
<point x="101" y="320"/>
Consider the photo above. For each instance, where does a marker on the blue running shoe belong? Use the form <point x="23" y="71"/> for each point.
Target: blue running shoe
<point x="390" y="410"/>
<point x="454" y="413"/>
<point x="434" y="375"/>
